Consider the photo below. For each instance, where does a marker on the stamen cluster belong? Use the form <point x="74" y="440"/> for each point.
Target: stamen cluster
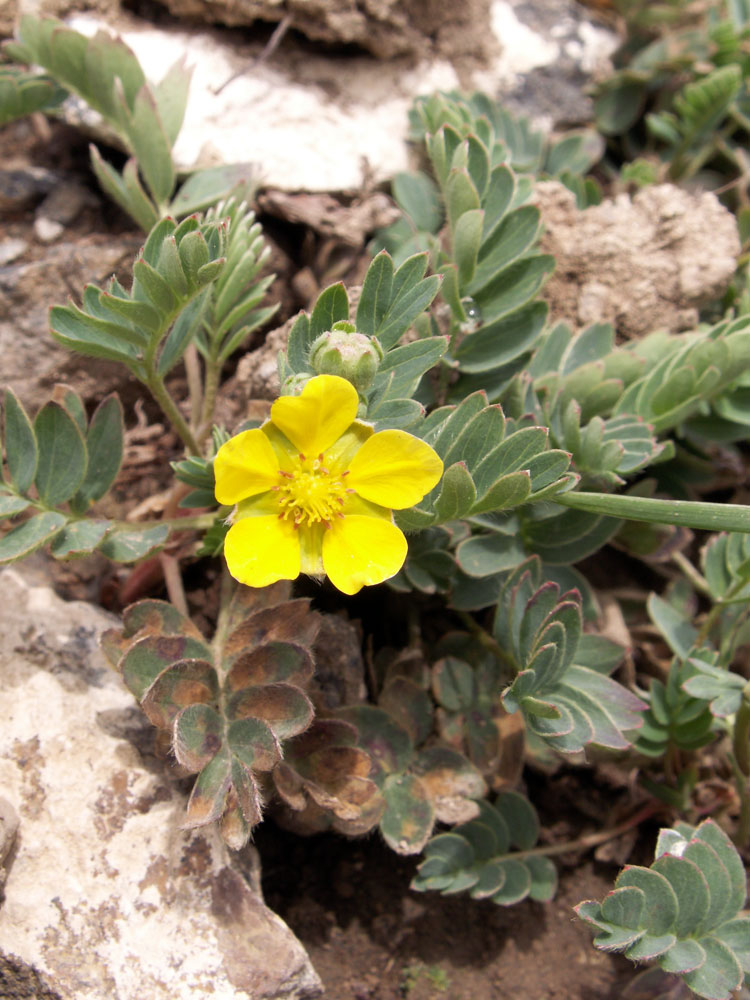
<point x="311" y="494"/>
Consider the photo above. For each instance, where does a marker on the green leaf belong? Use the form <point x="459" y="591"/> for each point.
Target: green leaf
<point x="460" y="196"/>
<point x="417" y="196"/>
<point x="484" y="555"/>
<point x="25" y="538"/>
<point x="331" y="306"/>
<point x="677" y="911"/>
<point x="10" y="505"/>
<point x="21" y="451"/>
<point x="205" y="188"/>
<point x="125" y="190"/>
<point x="171" y="95"/>
<point x="129" y="545"/>
<point x="151" y="146"/>
<point x="104" y="444"/>
<point x="466" y="241"/>
<point x="78" y="538"/>
<point x="375" y="297"/>
<point x="62" y="455"/>
<point x="457" y="493"/>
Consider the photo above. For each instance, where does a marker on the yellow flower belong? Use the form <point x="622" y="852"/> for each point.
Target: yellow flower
<point x="314" y="489"/>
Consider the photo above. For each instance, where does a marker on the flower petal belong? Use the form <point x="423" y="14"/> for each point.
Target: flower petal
<point x="394" y="469"/>
<point x="244" y="466"/>
<point x="361" y="551"/>
<point x="261" y="550"/>
<point x="318" y="417"/>
<point x="311" y="547"/>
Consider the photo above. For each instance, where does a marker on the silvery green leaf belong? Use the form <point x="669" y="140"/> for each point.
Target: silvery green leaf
<point x="32" y="534"/>
<point x="21" y="452"/>
<point x="62" y="455"/>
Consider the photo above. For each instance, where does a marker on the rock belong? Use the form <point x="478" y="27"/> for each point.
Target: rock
<point x="32" y="361"/>
<point x="385" y="28"/>
<point x="106" y="896"/>
<point x="638" y="263"/>
<point x="21" y="187"/>
<point x="12" y="249"/>
<point x="314" y="121"/>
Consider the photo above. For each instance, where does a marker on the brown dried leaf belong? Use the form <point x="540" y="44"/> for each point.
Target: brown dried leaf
<point x="446" y="774"/>
<point x="283" y="707"/>
<point x="152" y="617"/>
<point x="272" y="663"/>
<point x="210" y="791"/>
<point x="291" y="622"/>
<point x="187" y="682"/>
<point x="250" y="600"/>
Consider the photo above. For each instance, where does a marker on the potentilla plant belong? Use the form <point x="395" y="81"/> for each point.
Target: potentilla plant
<point x="443" y="439"/>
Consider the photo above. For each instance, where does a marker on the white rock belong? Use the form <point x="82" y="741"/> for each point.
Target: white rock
<point x="321" y="123"/>
<point x="106" y="897"/>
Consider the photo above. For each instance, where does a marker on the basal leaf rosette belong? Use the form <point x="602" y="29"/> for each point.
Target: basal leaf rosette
<point x="225" y="708"/>
<point x="684" y="911"/>
<point x="314" y="489"/>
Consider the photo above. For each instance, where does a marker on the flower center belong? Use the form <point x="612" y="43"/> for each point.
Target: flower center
<point x="311" y="494"/>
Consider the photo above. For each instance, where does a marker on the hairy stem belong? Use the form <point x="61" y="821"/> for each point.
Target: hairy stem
<point x="210" y="389"/>
<point x="195" y="388"/>
<point x="173" y="580"/>
<point x="169" y="408"/>
<point x="593" y="839"/>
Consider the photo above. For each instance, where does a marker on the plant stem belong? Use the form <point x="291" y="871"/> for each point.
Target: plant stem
<point x="173" y="580"/>
<point x="686" y="567"/>
<point x="692" y="514"/>
<point x="169" y="408"/>
<point x="487" y="640"/>
<point x="210" y="388"/>
<point x="592" y="839"/>
<point x="222" y="622"/>
<point x="195" y="389"/>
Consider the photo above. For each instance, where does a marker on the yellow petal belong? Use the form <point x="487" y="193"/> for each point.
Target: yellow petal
<point x="361" y="551"/>
<point x="244" y="466"/>
<point x="318" y="417"/>
<point x="394" y="469"/>
<point x="261" y="550"/>
<point x="311" y="548"/>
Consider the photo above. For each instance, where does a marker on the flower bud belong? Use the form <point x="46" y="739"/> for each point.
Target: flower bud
<point x="344" y="352"/>
<point x="294" y="384"/>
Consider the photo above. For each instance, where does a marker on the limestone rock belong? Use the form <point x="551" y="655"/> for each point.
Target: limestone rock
<point x="105" y="895"/>
<point x="643" y="264"/>
<point x="312" y="120"/>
